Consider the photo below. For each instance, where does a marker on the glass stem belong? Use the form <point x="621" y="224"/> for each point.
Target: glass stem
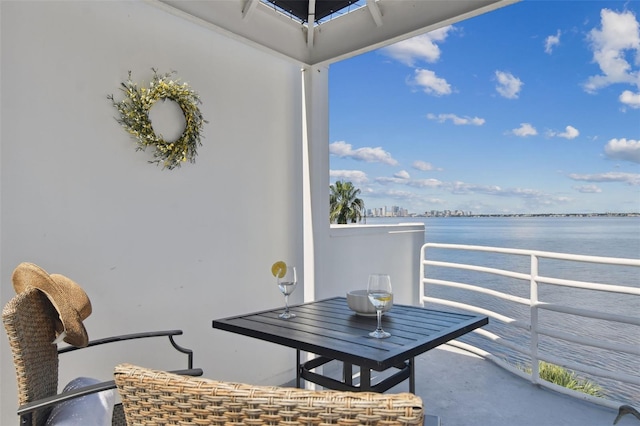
<point x="286" y="303"/>
<point x="379" y="314"/>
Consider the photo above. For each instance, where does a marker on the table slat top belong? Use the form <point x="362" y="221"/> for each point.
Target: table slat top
<point x="329" y="328"/>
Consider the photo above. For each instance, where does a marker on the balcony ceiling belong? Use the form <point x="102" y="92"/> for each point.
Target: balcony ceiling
<point x="315" y="32"/>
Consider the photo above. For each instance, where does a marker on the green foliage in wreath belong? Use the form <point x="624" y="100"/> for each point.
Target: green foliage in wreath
<point x="134" y="117"/>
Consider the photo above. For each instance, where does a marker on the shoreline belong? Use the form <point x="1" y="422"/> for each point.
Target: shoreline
<point x="514" y="215"/>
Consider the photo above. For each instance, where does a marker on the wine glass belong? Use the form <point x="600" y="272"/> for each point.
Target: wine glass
<point x="286" y="284"/>
<point x="379" y="292"/>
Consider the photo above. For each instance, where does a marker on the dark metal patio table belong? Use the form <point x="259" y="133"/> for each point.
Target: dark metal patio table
<point x="330" y="330"/>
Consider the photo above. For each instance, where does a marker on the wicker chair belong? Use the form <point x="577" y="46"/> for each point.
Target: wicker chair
<point x="29" y="321"/>
<point x="159" y="398"/>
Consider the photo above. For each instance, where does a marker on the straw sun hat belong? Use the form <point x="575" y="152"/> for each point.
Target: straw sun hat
<point x="69" y="299"/>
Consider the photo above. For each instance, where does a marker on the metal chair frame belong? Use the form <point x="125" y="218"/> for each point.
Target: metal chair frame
<point x="29" y="322"/>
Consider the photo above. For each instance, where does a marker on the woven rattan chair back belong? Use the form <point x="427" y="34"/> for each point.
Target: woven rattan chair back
<point x="158" y="398"/>
<point x="29" y="321"/>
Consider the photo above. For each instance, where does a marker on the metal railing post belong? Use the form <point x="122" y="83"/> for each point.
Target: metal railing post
<point x="535" y="370"/>
<point x="620" y="373"/>
<point x="423" y="256"/>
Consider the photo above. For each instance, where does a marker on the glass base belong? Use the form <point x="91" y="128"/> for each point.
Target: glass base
<point x="287" y="315"/>
<point x="379" y="334"/>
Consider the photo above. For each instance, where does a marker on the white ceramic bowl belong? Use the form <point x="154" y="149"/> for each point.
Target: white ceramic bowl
<point x="358" y="302"/>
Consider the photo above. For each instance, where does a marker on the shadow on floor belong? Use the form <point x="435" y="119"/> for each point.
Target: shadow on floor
<point x="462" y="389"/>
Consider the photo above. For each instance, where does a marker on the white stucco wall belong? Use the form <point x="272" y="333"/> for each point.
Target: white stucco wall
<point x="153" y="248"/>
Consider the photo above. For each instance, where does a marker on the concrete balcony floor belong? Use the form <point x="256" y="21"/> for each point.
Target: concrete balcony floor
<point x="462" y="389"/>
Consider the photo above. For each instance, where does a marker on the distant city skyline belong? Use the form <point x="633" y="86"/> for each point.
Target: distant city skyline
<point x="397" y="211"/>
<point x="532" y="108"/>
<point x="393" y="211"/>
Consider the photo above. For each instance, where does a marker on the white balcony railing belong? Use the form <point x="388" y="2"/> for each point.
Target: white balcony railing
<point x="555" y="316"/>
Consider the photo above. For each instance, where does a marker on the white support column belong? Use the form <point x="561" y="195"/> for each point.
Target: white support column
<point x="315" y="171"/>
<point x="315" y="185"/>
<point x="311" y="23"/>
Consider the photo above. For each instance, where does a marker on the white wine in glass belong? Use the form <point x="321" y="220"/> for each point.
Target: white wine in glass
<point x="380" y="295"/>
<point x="286" y="284"/>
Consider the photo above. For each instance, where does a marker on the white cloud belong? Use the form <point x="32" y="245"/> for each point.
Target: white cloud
<point x="630" y="99"/>
<point x="619" y="32"/>
<point x="370" y="155"/>
<point x="524" y="130"/>
<point x="508" y="85"/>
<point x="588" y="189"/>
<point x="419" y="48"/>
<point x="385" y="180"/>
<point x="422" y="166"/>
<point x="467" y="188"/>
<point x="551" y="41"/>
<point x="435" y="201"/>
<point x="623" y="149"/>
<point x="402" y="174"/>
<point x="396" y="194"/>
<point x="570" y="132"/>
<point x="629" y="178"/>
<point x="532" y="197"/>
<point x="354" y="176"/>
<point x="425" y="183"/>
<point x="458" y="121"/>
<point x="430" y="83"/>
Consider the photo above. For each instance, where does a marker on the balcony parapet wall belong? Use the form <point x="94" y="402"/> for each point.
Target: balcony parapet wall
<point x="357" y="250"/>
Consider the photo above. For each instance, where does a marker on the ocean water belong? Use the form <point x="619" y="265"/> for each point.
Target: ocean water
<point x="596" y="236"/>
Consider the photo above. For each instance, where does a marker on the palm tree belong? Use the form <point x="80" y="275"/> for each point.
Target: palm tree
<point x="345" y="206"/>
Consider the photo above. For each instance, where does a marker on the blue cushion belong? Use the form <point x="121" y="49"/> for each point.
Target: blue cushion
<point x="89" y="410"/>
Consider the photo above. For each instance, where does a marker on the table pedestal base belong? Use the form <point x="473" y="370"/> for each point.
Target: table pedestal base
<point x="303" y="371"/>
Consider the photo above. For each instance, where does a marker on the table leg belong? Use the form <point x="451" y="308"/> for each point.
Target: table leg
<point x="412" y="376"/>
<point x="345" y="383"/>
<point x="365" y="379"/>
<point x="347" y="373"/>
<point x="298" y="368"/>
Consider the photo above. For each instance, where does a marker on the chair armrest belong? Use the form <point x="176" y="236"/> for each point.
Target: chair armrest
<point x="56" y="399"/>
<point x="134" y="336"/>
<point x="88" y="390"/>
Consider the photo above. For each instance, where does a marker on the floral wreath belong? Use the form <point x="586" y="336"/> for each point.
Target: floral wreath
<point x="134" y="117"/>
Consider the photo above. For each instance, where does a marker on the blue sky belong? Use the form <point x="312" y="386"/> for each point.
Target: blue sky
<point x="532" y="108"/>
